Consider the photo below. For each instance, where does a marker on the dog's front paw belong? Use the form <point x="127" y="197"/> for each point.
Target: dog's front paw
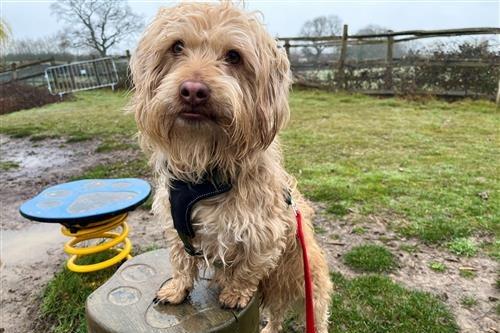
<point x="173" y="291"/>
<point x="235" y="299"/>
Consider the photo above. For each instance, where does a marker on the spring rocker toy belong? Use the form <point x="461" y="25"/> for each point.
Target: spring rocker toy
<point x="90" y="209"/>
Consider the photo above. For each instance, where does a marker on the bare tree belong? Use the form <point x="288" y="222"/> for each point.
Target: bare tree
<point x="320" y="26"/>
<point x="40" y="47"/>
<point x="374" y="51"/>
<point x="98" y="25"/>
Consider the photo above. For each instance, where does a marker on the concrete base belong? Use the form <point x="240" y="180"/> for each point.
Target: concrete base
<point x="125" y="303"/>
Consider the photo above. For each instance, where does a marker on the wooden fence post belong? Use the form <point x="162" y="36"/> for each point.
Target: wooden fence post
<point x="14" y="71"/>
<point x="128" y="82"/>
<point x="388" y="60"/>
<point x="341" y="84"/>
<point x="498" y="95"/>
<point x="287" y="49"/>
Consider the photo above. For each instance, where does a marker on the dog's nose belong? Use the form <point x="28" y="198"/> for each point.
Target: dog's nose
<point x="194" y="92"/>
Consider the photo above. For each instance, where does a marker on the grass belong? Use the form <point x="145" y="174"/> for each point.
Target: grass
<point x="358" y="230"/>
<point x="63" y="302"/>
<point x="8" y="165"/>
<point x="111" y="145"/>
<point x="463" y="247"/>
<point x="92" y="115"/>
<point x="423" y="164"/>
<point x="492" y="249"/>
<point x="121" y="169"/>
<point x="468" y="302"/>
<point x="370" y="258"/>
<point x="408" y="248"/>
<point x="468" y="274"/>
<point x="375" y="304"/>
<point x="437" y="266"/>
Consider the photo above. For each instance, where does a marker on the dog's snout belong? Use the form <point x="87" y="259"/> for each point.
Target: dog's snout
<point x="194" y="92"/>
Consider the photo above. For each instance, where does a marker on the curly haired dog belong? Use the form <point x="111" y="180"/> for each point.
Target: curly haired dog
<point x="211" y="93"/>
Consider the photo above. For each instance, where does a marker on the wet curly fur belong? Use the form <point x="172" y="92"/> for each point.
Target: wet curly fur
<point x="250" y="230"/>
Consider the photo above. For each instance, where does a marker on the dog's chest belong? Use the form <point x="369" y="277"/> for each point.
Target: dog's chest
<point x="219" y="231"/>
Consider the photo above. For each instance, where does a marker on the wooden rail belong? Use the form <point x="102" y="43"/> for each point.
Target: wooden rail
<point x="15" y="67"/>
<point x="341" y="63"/>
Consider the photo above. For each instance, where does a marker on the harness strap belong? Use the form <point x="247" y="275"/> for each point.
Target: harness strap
<point x="188" y="246"/>
<point x="183" y="196"/>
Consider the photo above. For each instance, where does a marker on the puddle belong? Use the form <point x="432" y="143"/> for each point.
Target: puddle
<point x="30" y="244"/>
<point x="34" y="157"/>
<point x="39" y="165"/>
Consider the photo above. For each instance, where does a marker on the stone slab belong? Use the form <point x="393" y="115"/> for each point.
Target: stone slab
<point x="125" y="303"/>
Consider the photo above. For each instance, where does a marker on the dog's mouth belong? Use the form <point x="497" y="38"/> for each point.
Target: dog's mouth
<point x="197" y="114"/>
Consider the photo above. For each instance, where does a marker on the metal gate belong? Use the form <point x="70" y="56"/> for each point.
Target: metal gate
<point x="82" y="75"/>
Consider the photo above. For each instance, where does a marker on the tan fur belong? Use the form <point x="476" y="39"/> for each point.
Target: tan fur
<point x="249" y="229"/>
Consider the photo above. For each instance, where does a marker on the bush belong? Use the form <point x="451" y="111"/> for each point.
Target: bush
<point x="17" y="96"/>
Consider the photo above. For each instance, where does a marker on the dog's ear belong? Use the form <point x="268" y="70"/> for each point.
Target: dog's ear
<point x="146" y="68"/>
<point x="273" y="86"/>
<point x="147" y="58"/>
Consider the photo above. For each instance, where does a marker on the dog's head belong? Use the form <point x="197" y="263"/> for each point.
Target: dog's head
<point x="209" y="81"/>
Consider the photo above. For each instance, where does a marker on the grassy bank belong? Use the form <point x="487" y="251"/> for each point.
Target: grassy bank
<point x="431" y="168"/>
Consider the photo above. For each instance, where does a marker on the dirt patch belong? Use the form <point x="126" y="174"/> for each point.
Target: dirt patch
<point x="32" y="252"/>
<point x="45" y="163"/>
<point x="339" y="236"/>
<point x="40" y="164"/>
<point x="16" y="96"/>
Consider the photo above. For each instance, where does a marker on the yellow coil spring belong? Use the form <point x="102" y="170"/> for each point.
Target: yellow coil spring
<point x="98" y="230"/>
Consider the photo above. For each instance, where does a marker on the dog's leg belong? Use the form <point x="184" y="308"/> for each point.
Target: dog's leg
<point x="185" y="270"/>
<point x="322" y="289"/>
<point x="321" y="307"/>
<point x="275" y="319"/>
<point x="237" y="295"/>
<point x="239" y="283"/>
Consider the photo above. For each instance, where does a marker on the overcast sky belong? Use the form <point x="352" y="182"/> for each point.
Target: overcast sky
<point x="284" y="18"/>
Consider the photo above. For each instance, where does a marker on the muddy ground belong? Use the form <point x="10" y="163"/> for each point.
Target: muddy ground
<point x="32" y="252"/>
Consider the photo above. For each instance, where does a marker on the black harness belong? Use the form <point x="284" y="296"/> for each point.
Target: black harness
<point x="183" y="196"/>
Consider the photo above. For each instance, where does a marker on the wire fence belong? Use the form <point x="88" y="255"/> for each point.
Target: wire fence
<point x="81" y="75"/>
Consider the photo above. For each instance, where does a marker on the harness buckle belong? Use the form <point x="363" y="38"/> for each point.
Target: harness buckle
<point x="289" y="201"/>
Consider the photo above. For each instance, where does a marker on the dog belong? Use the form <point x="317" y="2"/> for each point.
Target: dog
<point x="211" y="95"/>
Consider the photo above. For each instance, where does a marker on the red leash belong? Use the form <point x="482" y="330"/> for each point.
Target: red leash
<point x="310" y="326"/>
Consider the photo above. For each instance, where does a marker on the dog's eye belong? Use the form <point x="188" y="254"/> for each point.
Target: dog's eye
<point x="178" y="47"/>
<point x="233" y="57"/>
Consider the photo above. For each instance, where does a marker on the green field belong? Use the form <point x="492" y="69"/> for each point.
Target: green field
<point x="429" y="168"/>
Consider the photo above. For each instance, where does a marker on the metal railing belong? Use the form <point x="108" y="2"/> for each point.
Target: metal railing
<point x="81" y="75"/>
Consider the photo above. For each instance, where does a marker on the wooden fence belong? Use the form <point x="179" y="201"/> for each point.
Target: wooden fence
<point x="410" y="74"/>
<point x="33" y="73"/>
<point x="393" y="73"/>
